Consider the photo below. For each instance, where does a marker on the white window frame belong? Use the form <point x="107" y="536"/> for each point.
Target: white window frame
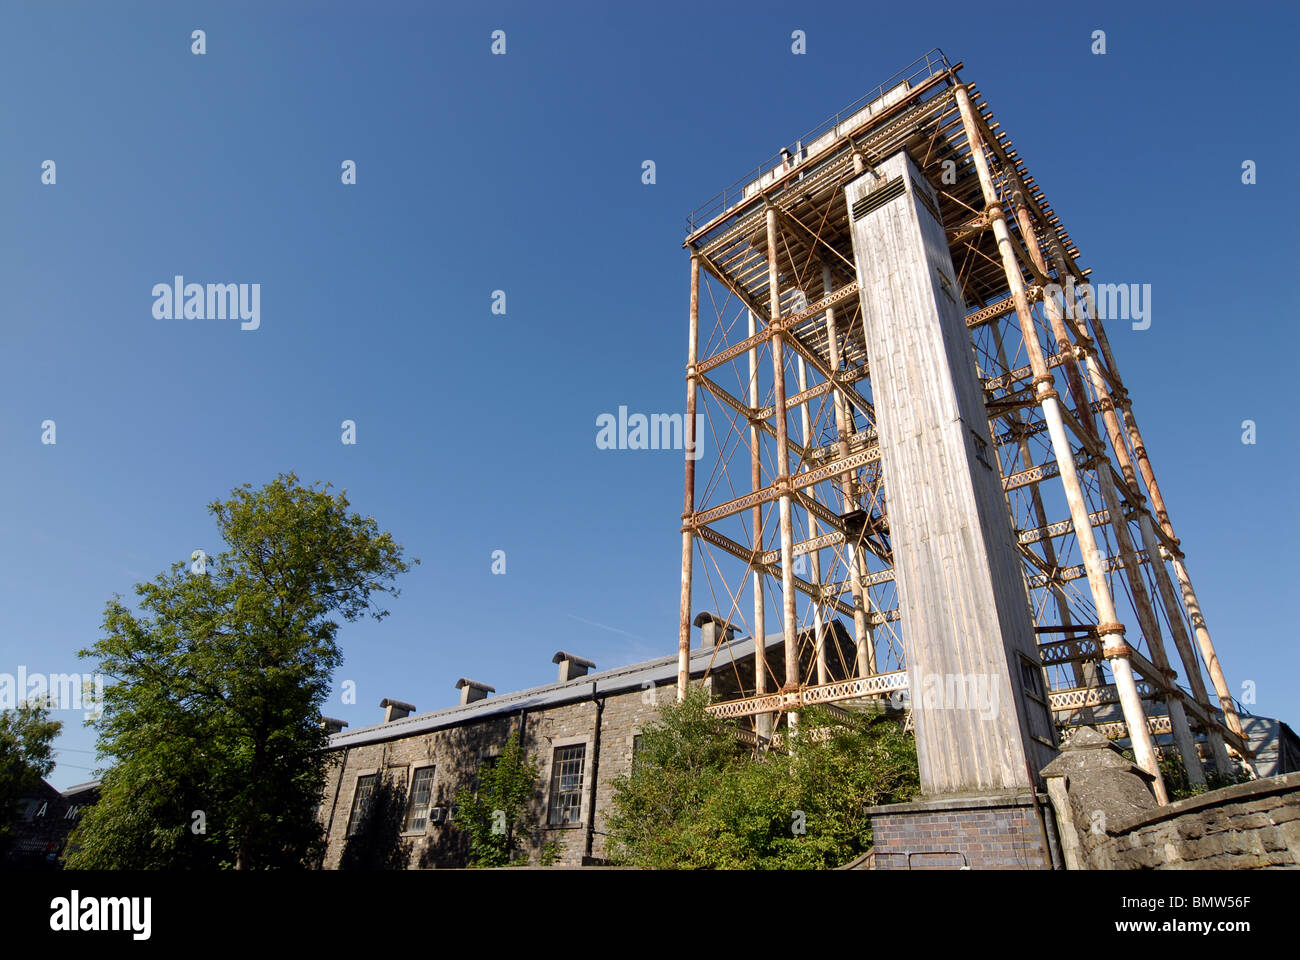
<point x="584" y="801"/>
<point x="412" y="770"/>
<point x="356" y="788"/>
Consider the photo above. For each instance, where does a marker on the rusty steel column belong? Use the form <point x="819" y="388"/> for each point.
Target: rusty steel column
<point x="1142" y="603"/>
<point x="1118" y="438"/>
<point x="1193" y="607"/>
<point x="1145" y="610"/>
<point x="763" y="721"/>
<point x="814" y="556"/>
<point x="691" y="442"/>
<point x="863" y="635"/>
<point x="1190" y="601"/>
<point x="1085" y="673"/>
<point x="1109" y="629"/>
<point x="1116" y="433"/>
<point x="1067" y="267"/>
<point x="1173" y="612"/>
<point x="782" y="480"/>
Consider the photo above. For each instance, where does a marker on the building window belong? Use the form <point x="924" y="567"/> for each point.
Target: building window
<point x="637" y="746"/>
<point x="361" y="801"/>
<point x="1039" y="713"/>
<point x="417" y="808"/>
<point x="566" y="784"/>
<point x="1032" y="676"/>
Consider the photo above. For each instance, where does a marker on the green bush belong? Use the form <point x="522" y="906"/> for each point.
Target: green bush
<point x="497" y="816"/>
<point x="697" y="799"/>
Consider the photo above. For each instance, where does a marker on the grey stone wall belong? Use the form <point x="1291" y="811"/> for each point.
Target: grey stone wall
<point x="1244" y="827"/>
<point x="456" y="753"/>
<point x="1109" y="819"/>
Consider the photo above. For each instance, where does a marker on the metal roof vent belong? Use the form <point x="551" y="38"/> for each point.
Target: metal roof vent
<point x="714" y="630"/>
<point x="472" y="691"/>
<point x="396" y="709"/>
<point x="571" y="666"/>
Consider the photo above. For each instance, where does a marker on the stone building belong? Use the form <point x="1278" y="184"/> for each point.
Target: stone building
<point x="403" y="773"/>
<point x="44" y="819"/>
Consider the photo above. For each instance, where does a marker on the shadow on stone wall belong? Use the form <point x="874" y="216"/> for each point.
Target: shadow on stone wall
<point x="445" y="845"/>
<point x="378" y="843"/>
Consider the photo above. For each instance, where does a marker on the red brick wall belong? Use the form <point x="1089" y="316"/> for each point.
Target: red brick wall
<point x="983" y="838"/>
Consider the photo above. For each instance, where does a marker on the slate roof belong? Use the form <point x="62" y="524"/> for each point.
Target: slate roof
<point x="618" y="680"/>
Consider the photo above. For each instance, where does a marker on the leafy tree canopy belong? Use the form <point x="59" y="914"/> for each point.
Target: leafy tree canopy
<point x="213" y="712"/>
<point x="26" y="755"/>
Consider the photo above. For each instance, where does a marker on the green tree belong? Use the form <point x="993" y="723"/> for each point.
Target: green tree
<point x="693" y="800"/>
<point x="683" y="756"/>
<point x="26" y="755"/>
<point x="498" y="816"/>
<point x="212" y="715"/>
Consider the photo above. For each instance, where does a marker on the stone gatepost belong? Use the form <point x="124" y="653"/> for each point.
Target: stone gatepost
<point x="1091" y="784"/>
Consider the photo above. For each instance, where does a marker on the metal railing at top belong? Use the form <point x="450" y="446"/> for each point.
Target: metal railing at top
<point x="922" y="68"/>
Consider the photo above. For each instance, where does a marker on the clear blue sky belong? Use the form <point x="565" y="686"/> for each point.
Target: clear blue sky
<point x="522" y="173"/>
